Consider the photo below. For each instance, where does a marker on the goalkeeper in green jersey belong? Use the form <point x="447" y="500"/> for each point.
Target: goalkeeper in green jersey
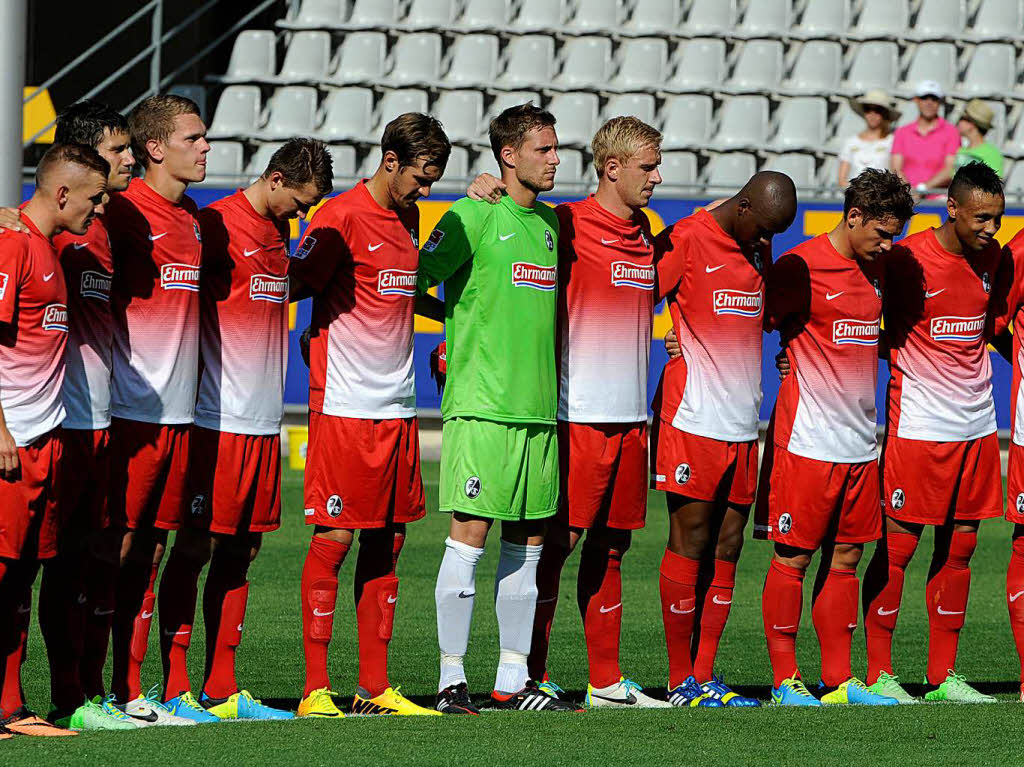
<point x="499" y="458"/>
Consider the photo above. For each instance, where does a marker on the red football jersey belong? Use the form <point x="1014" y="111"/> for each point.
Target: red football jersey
<point x="937" y="325"/>
<point x="715" y="296"/>
<point x="827" y="309"/>
<point x="34" y="333"/>
<point x="156" y="251"/>
<point x="363" y="259"/>
<point x="605" y="304"/>
<point x="243" y="327"/>
<point x="88" y="272"/>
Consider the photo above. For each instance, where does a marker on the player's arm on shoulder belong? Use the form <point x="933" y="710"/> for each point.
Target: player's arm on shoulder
<point x="487" y="188"/>
<point x="452" y="242"/>
<point x="10" y="218"/>
<point x="669" y="263"/>
<point x="321" y="251"/>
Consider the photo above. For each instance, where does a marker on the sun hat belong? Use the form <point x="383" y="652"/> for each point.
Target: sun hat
<point x="878" y="98"/>
<point x="979" y="113"/>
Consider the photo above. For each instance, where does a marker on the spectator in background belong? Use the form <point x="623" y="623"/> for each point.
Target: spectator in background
<point x="973" y="125"/>
<point x="923" y="151"/>
<point x="872" y="146"/>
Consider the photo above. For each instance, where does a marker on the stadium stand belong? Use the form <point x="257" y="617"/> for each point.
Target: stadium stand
<point x="730" y="82"/>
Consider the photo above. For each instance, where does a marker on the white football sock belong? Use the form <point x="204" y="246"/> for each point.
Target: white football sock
<point x="515" y="602"/>
<point x="456" y="587"/>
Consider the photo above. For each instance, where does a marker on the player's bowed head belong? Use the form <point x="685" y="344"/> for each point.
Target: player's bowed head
<point x="627" y="153"/>
<point x="974" y="208"/>
<point x="300" y="173"/>
<point x="71" y="184"/>
<point x="876" y="207"/>
<point x="414" y="153"/>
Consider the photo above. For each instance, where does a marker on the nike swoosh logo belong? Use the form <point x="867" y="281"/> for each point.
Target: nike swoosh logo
<point x="392" y="599"/>
<point x="887" y="612"/>
<point x="629" y="700"/>
<point x="933" y="293"/>
<point x="146" y="615"/>
<point x="546" y="601"/>
<point x="672" y="608"/>
<point x="783" y="628"/>
<point x="608" y="242"/>
<point x="1015" y="597"/>
<point x="100" y="613"/>
<point x="830" y="296"/>
<point x="466" y="595"/>
<point x="713" y="269"/>
<point x="155" y="237"/>
<point x="949" y="612"/>
<point x="150" y="717"/>
<point x="22" y="609"/>
<point x="246" y="252"/>
<point x="610" y="609"/>
<point x="320" y="614"/>
<point x="185" y="632"/>
<point x="240" y="626"/>
<point x="504" y="237"/>
<point x="79" y="245"/>
<point x="718" y="601"/>
<point x="81" y="599"/>
<point x="372" y="248"/>
<point x="851" y="626"/>
<point x="48" y="277"/>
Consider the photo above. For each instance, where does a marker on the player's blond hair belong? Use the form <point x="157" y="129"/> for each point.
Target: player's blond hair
<point x="153" y="119"/>
<point x="622" y="138"/>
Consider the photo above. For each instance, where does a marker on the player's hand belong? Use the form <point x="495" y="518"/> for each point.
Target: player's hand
<point x="8" y="455"/>
<point x="672" y="344"/>
<point x="304" y="345"/>
<point x="782" y="364"/>
<point x="486" y="187"/>
<point x="10" y="218"/>
<point x="439" y="365"/>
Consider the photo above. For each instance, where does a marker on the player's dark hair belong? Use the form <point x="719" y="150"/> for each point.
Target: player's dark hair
<point x="153" y="119"/>
<point x="74" y="154"/>
<point x="84" y="122"/>
<point x="878" y="195"/>
<point x="974" y="176"/>
<point x="302" y="160"/>
<point x="511" y="126"/>
<point x="415" y="136"/>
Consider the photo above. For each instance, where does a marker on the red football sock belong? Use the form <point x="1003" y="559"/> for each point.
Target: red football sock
<point x="1015" y="598"/>
<point x="224" y="600"/>
<point x="101" y="598"/>
<point x="549" y="573"/>
<point x="136" y="600"/>
<point x="834" y="613"/>
<point x="883" y="592"/>
<point x="599" y="595"/>
<point x="16" y="604"/>
<point x="781" y="603"/>
<point x="946" y="598"/>
<point x="179" y="587"/>
<point x="319" y="595"/>
<point x="376" y="593"/>
<point x="678" y="585"/>
<point x="717" y="603"/>
<point x="62" y="623"/>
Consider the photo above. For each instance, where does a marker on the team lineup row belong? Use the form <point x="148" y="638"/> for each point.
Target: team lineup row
<point x="114" y="289"/>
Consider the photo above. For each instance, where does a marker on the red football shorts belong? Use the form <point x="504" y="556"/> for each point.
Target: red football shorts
<point x="811" y="501"/>
<point x="932" y="483"/>
<point x="702" y="468"/>
<point x="148" y="474"/>
<point x="362" y="472"/>
<point x="1015" y="484"/>
<point x="234" y="482"/>
<point x="29" y="513"/>
<point x="84" y="481"/>
<point x="603" y="471"/>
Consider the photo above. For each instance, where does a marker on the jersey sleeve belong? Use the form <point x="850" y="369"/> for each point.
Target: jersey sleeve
<point x="321" y="251"/>
<point x="787" y="295"/>
<point x="670" y="262"/>
<point x="452" y="242"/>
<point x="12" y="263"/>
<point x="1006" y="291"/>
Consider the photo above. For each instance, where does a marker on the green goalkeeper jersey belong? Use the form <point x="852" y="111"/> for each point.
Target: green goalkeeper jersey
<point x="499" y="268"/>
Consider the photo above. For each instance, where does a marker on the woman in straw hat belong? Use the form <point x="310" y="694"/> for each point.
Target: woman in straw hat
<point x="974" y="124"/>
<point x="872" y="146"/>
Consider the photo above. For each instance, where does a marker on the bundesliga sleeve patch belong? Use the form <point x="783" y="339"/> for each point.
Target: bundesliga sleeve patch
<point x="433" y="241"/>
<point x="305" y="248"/>
<point x="3" y="285"/>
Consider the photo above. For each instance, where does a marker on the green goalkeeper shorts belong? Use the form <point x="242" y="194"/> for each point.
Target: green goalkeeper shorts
<point x="505" y="471"/>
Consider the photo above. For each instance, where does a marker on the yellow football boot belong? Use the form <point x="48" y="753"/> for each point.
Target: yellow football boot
<point x="390" y="702"/>
<point x="319" y="704"/>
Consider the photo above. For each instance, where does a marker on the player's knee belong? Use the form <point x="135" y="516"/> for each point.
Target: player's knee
<point x="334" y="534"/>
<point x="799" y="559"/>
<point x="846" y="556"/>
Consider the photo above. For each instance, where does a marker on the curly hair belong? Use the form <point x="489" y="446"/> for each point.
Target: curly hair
<point x="878" y="195"/>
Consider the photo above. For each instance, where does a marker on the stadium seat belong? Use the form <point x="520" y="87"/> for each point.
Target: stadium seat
<point x="585" y="63"/>
<point x="678" y="168"/>
<point x="728" y="172"/>
<point x="456" y="172"/>
<point x="461" y="113"/>
<point x="816" y="69"/>
<point x="415" y="60"/>
<point x="639" y="105"/>
<point x="237" y="113"/>
<point x="1015" y="179"/>
<point x="699" y="66"/>
<point x="571" y="170"/>
<point x="261" y="158"/>
<point x="506" y="99"/>
<point x="292" y="111"/>
<point x="360" y="59"/>
<point x="800" y="123"/>
<point x="253" y="58"/>
<point x="847" y="123"/>
<point x="653" y="17"/>
<point x="472" y="61"/>
<point x="430" y="14"/>
<point x="317" y="14"/>
<point x="742" y="123"/>
<point x="541" y="15"/>
<point x="223" y="159"/>
<point x="307" y="59"/>
<point x="373" y="14"/>
<point x="882" y="18"/>
<point x="997" y="135"/>
<point x="595" y="17"/>
<point x="643" y="63"/>
<point x="343" y="164"/>
<point x="799" y="167"/>
<point x="824" y="19"/>
<point x="991" y="72"/>
<point x="686" y="121"/>
<point x="939" y="19"/>
<point x="710" y="17"/>
<point x="931" y="61"/>
<point x="828" y="175"/>
<point x="758" y="68"/>
<point x="485" y="15"/>
<point x="397" y="102"/>
<point x="766" y="18"/>
<point x="875" y="65"/>
<point x="1015" y="146"/>
<point x="999" y="20"/>
<point x="484" y="162"/>
<point x="370" y="163"/>
<point x="347" y="115"/>
<point x="576" y="114"/>
<point x="529" y="62"/>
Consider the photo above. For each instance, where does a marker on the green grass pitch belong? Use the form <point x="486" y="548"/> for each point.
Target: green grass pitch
<point x="270" y="665"/>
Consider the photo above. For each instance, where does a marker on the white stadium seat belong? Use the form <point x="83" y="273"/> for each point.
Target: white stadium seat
<point x="595" y="17"/>
<point x="997" y="134"/>
<point x="292" y="111"/>
<point x="678" y="168"/>
<point x="801" y="123"/>
<point x="653" y="17"/>
<point x="571" y="171"/>
<point x="816" y="69"/>
<point x="640" y="105"/>
<point x="223" y="159"/>
<point x="360" y="59"/>
<point x="824" y="18"/>
<point x="939" y="19"/>
<point x="307" y="59"/>
<point x="686" y="121"/>
<point x="317" y="14"/>
<point x="758" y="68"/>
<point x="847" y="123"/>
<point x="373" y="14"/>
<point x="727" y="173"/>
<point x="742" y="124"/>
<point x="461" y="113"/>
<point x="455" y="172"/>
<point x="541" y="15"/>
<point x="991" y="72"/>
<point x="999" y="20"/>
<point x="799" y="167"/>
<point x="931" y="61"/>
<point x="506" y="99"/>
<point x="699" y="66"/>
<point x="1015" y="179"/>
<point x="370" y="163"/>
<point x="261" y="158"/>
<point x="343" y="163"/>
<point x="398" y="102"/>
<point x="1015" y="146"/>
<point x="766" y="18"/>
<point x="415" y="60"/>
<point x="828" y="175"/>
<point x="489" y="15"/>
<point x="237" y="113"/>
<point x="875" y="65"/>
<point x="882" y="18"/>
<point x="529" y="62"/>
<point x="576" y="115"/>
<point x="585" y="63"/>
<point x="253" y="58"/>
<point x="710" y="17"/>
<point x="430" y="14"/>
<point x="643" y="63"/>
<point x="347" y="115"/>
<point x="472" y="61"/>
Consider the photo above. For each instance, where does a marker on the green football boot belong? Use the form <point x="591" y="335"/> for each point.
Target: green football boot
<point x="954" y="689"/>
<point x="889" y="686"/>
<point x="96" y="715"/>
